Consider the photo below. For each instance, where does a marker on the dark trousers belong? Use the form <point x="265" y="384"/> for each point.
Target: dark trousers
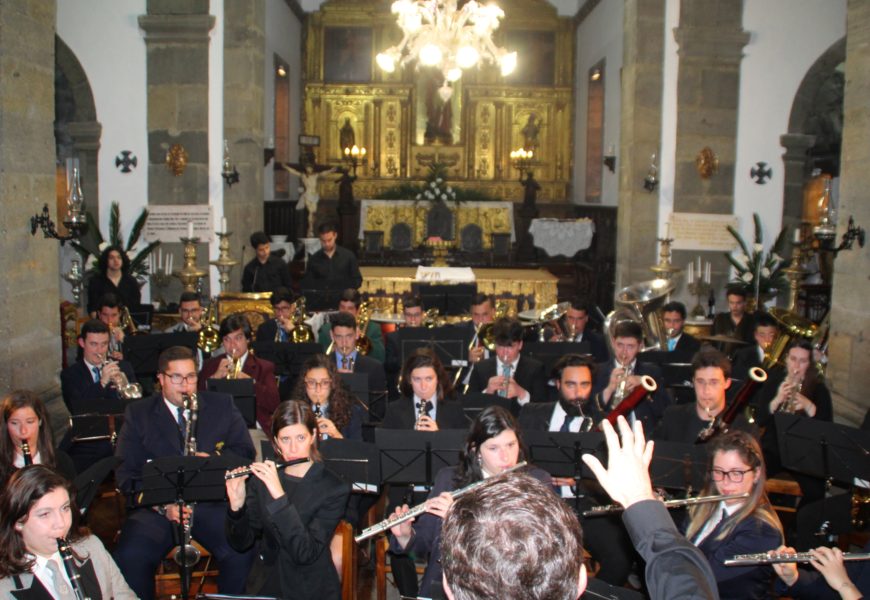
<point x="147" y="536"/>
<point x="604" y="537"/>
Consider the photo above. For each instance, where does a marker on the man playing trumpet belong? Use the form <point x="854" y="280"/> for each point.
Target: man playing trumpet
<point x="279" y="329"/>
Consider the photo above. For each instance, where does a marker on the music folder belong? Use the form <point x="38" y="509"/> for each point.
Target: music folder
<point x="242" y="391"/>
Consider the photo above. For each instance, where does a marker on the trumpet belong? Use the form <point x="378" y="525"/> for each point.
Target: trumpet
<point x="25" y="454"/>
<point x="72" y="570"/>
<point x="622" y="385"/>
<point x="235" y="366"/>
<point x="421" y="508"/>
<point x="278" y="465"/>
<point x="789" y="405"/>
<point x="607" y="509"/>
<point x="126" y="390"/>
<point x="770" y="558"/>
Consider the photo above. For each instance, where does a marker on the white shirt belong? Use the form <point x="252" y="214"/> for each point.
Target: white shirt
<point x="41" y="572"/>
<point x="714" y="520"/>
<point x="499" y="370"/>
<point x="91" y="370"/>
<point x="19" y="460"/>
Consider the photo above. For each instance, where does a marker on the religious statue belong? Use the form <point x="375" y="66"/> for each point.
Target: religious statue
<point x="309" y="197"/>
<point x="530" y="132"/>
<point x="346" y="135"/>
<point x="531" y="187"/>
<point x="345" y="187"/>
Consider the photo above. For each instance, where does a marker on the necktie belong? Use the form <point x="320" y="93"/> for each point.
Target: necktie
<point x="566" y="424"/>
<point x="181" y="423"/>
<point x="506" y="373"/>
<point x="96" y="371"/>
<point x="60" y="585"/>
<point x="345" y="362"/>
<point x="672" y="343"/>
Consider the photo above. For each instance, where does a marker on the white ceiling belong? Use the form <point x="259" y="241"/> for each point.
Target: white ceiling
<point x="564" y="7"/>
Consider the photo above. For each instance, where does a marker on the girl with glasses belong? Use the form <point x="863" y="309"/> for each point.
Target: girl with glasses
<point x="339" y="413"/>
<point x="738" y="526"/>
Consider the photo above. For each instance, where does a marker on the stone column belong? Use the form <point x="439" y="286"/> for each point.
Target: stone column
<point x="176" y="43"/>
<point x="849" y="346"/>
<point x="794" y="160"/>
<point x="641" y="117"/>
<point x="244" y="120"/>
<point x="86" y="146"/>
<point x="29" y="293"/>
<point x="711" y="40"/>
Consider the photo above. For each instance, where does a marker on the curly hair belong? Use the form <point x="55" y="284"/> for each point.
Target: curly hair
<point x="340" y="398"/>
<point x="103" y="261"/>
<point x="13" y="401"/>
<point x="24" y="489"/>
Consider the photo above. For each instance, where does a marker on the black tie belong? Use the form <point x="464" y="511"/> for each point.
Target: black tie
<point x="181" y="422"/>
<point x="566" y="424"/>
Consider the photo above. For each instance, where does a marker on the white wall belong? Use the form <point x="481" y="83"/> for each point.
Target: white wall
<point x="665" y="159"/>
<point x="284" y="38"/>
<point x="215" y="133"/>
<point x="787" y="38"/>
<point x="598" y="37"/>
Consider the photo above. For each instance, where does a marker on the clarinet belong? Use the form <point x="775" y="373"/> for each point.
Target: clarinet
<point x="72" y="570"/>
<point x="25" y="453"/>
<point x="188" y="554"/>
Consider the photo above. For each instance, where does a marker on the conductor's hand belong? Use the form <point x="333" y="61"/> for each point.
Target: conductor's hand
<point x="426" y="423"/>
<point x="440" y="504"/>
<point x="403" y="531"/>
<point x="788" y="572"/>
<point x="236" y="490"/>
<point x="267" y="473"/>
<point x="172" y="513"/>
<point x="626" y="478"/>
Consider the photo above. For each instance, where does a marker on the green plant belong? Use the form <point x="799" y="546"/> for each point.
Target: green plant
<point x="93" y="243"/>
<point x="440" y="192"/>
<point x="759" y="272"/>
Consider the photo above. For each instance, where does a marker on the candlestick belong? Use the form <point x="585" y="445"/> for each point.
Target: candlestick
<point x="190" y="274"/>
<point x="797" y="235"/>
<point x="189" y="229"/>
<point x="224" y="262"/>
<point x="223" y="224"/>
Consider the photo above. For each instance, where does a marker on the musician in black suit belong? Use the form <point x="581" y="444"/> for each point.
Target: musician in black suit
<point x="412" y="312"/>
<point x="427" y="402"/>
<point x="682" y="346"/>
<point x="574" y="327"/>
<point x="765" y="333"/>
<point x="154" y="428"/>
<point x="91" y="385"/>
<point x="736" y="323"/>
<point x="611" y="376"/>
<point x="344" y="334"/>
<point x="711" y="379"/>
<point x="283" y="305"/>
<point x="575" y="411"/>
<point x="510" y="374"/>
<point x="482" y="313"/>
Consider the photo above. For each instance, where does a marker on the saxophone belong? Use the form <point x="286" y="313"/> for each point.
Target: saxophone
<point x="187" y="554"/>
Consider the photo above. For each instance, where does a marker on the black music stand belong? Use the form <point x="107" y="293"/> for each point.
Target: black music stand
<point x="356" y="462"/>
<point x="448" y="298"/>
<point x="559" y="452"/>
<point x="321" y="295"/>
<point x="87" y="483"/>
<point x="142" y="351"/>
<point x="244" y="396"/>
<point x="95" y="427"/>
<point x="678" y="466"/>
<point x="549" y="353"/>
<point x="449" y="343"/>
<point x="410" y="457"/>
<point x="474" y="403"/>
<point x="182" y="480"/>
<point x="357" y="383"/>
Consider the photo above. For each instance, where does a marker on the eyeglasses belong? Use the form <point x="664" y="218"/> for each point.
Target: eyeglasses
<point x="735" y="476"/>
<point x="178" y="379"/>
<point x="310" y="383"/>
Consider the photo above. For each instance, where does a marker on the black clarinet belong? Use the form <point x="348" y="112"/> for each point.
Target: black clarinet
<point x="25" y="454"/>
<point x="72" y="570"/>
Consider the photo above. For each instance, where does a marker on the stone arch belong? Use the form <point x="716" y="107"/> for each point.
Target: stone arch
<point x="813" y="135"/>
<point x="76" y="129"/>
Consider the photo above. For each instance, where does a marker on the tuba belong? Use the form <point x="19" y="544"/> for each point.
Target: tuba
<point x="791" y="326"/>
<point x="641" y="303"/>
<point x="187" y="554"/>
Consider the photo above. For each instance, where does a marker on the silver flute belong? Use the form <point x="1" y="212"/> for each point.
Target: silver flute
<point x="770" y="558"/>
<point x="278" y="465"/>
<point x="607" y="509"/>
<point x="421" y="508"/>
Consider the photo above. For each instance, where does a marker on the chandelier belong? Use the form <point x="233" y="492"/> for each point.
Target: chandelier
<point x="438" y="33"/>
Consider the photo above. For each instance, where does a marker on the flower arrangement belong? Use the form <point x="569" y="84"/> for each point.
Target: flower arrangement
<point x="93" y="243"/>
<point x="759" y="272"/>
<point x="436" y="189"/>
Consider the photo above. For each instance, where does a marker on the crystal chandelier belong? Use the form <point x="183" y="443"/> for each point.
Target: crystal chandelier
<point x="438" y="33"/>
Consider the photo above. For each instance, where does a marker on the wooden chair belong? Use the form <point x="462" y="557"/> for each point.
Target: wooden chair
<point x="344" y="555"/>
<point x="783" y="486"/>
<point x="382" y="568"/>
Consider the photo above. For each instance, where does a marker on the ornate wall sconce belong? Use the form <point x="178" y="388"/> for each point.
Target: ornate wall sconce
<point x="651" y="181"/>
<point x="229" y="172"/>
<point x="176" y="159"/>
<point x="707" y="163"/>
<point x="75" y="221"/>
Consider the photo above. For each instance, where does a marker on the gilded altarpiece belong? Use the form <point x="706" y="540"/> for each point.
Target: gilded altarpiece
<point x="488" y="117"/>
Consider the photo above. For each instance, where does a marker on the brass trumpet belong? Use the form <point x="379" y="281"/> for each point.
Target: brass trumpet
<point x="126" y="390"/>
<point x="235" y="366"/>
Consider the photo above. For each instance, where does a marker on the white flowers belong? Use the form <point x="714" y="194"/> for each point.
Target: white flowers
<point x="742" y="260"/>
<point x="103" y="246"/>
<point x="757" y="248"/>
<point x="765" y="272"/>
<point x="747" y="277"/>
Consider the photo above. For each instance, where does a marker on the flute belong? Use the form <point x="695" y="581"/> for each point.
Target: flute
<point x="421" y="508"/>
<point x="769" y="558"/>
<point x="72" y="571"/>
<point x="278" y="465"/>
<point x="596" y="511"/>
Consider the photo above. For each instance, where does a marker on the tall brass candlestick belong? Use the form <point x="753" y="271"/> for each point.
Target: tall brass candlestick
<point x="190" y="274"/>
<point x="664" y="269"/>
<point x="224" y="262"/>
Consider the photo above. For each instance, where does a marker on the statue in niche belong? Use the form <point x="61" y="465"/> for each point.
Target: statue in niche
<point x="439" y="222"/>
<point x="309" y="198"/>
<point x="530" y="132"/>
<point x="346" y="135"/>
<point x="439" y="115"/>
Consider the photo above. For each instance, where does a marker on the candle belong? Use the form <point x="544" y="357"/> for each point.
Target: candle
<point x="797" y="235"/>
<point x="691" y="272"/>
<point x="707" y="273"/>
<point x="668" y="230"/>
<point x="223" y="224"/>
<point x="169" y="261"/>
<point x="159" y="258"/>
<point x="700" y="271"/>
<point x="190" y="229"/>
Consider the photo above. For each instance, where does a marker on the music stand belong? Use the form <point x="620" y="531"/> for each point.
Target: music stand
<point x="244" y="397"/>
<point x="357" y="383"/>
<point x="449" y="343"/>
<point x="355" y="462"/>
<point x="678" y="466"/>
<point x="87" y="483"/>
<point x="559" y="452"/>
<point x="142" y="351"/>
<point x="288" y="358"/>
<point x="414" y="457"/>
<point x="474" y="403"/>
<point x="323" y="294"/>
<point x="549" y="353"/>
<point x="182" y="480"/>
<point x="449" y="299"/>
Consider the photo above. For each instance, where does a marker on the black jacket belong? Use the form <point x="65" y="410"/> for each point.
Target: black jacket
<point x="342" y="267"/>
<point x="79" y="388"/>
<point x="529" y="375"/>
<point x="266" y="277"/>
<point x="402" y="414"/>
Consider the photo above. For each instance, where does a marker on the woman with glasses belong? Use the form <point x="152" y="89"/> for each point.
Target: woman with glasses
<point x="23" y="419"/>
<point x="339" y="413"/>
<point x="738" y="526"/>
<point x="292" y="512"/>
<point x="36" y="509"/>
<point x="492" y="446"/>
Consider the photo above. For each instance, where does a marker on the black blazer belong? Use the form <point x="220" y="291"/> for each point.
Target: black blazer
<point x="529" y="375"/>
<point x="150" y="431"/>
<point x="78" y="388"/>
<point x="745" y="359"/>
<point x="402" y="414"/>
<point x="648" y="411"/>
<point x="745" y="330"/>
<point x="686" y="348"/>
<point x="681" y="423"/>
<point x="295" y="531"/>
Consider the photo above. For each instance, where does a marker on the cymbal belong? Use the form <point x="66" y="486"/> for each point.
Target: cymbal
<point x="725" y="339"/>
